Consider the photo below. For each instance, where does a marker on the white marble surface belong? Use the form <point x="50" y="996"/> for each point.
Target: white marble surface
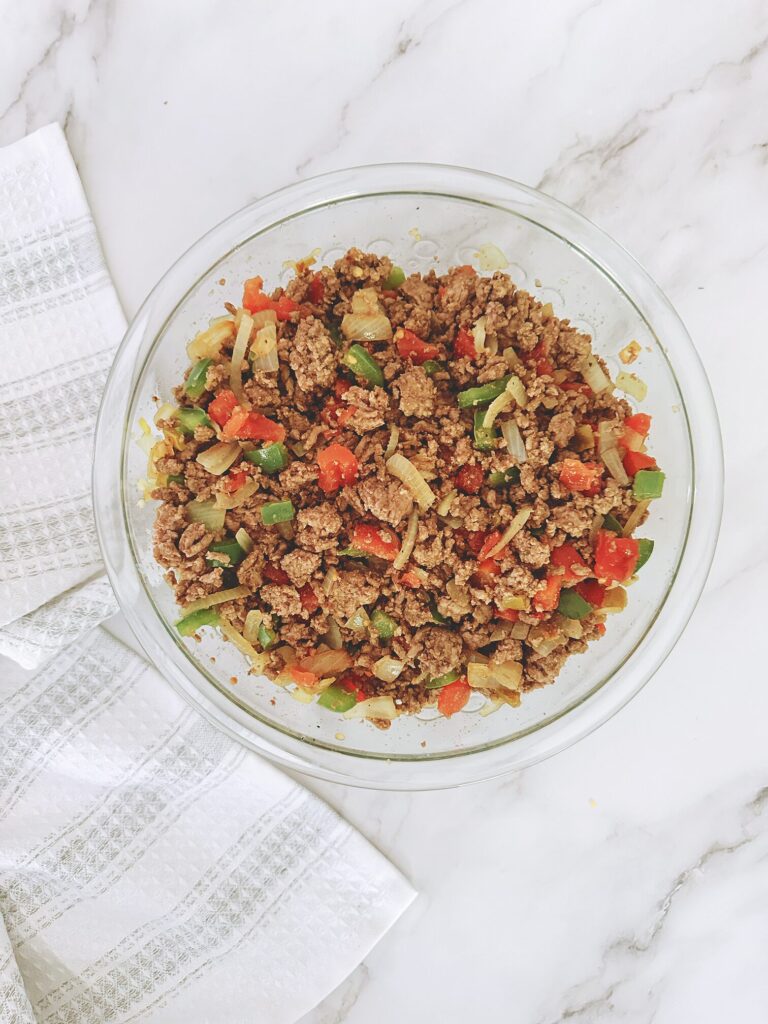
<point x="627" y="879"/>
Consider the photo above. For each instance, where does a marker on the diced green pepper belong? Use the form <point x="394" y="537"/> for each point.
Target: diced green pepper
<point x="176" y="478"/>
<point x="573" y="605"/>
<point x="432" y="366"/>
<point x="277" y="512"/>
<point x="190" y="624"/>
<point x="648" y="483"/>
<point x="189" y="419"/>
<point x="498" y="478"/>
<point x="230" y="548"/>
<point x="270" y="459"/>
<point x="362" y="364"/>
<point x="266" y="637"/>
<point x="612" y="523"/>
<point x="395" y="279"/>
<point x="353" y="553"/>
<point x="484" y="436"/>
<point x="438" y="681"/>
<point x="483" y="394"/>
<point x="336" y="699"/>
<point x="335" y="334"/>
<point x="435" y="613"/>
<point x="195" y="385"/>
<point x="645" y="550"/>
<point x="384" y="624"/>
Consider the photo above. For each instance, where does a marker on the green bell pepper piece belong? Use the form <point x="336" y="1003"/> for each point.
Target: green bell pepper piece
<point x="649" y="483"/>
<point x="573" y="605"/>
<point x="484" y="436"/>
<point x="191" y="418"/>
<point x="395" y="279"/>
<point x="498" y="478"/>
<point x="195" y="385"/>
<point x="225" y="547"/>
<point x="176" y="478"/>
<point x="439" y="681"/>
<point x="190" y="624"/>
<point x="362" y="364"/>
<point x="266" y="637"/>
<point x="384" y="624"/>
<point x="336" y="699"/>
<point x="270" y="459"/>
<point x="277" y="512"/>
<point x="431" y="367"/>
<point x="483" y="394"/>
<point x="645" y="547"/>
<point x="441" y="619"/>
<point x="353" y="553"/>
<point x="612" y="523"/>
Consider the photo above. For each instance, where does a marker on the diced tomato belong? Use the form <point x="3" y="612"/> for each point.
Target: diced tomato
<point x="490" y="542"/>
<point x="284" y="307"/>
<point x="252" y="293"/>
<point x="337" y="413"/>
<point x="309" y="599"/>
<point x="576" y="385"/>
<point x="222" y="407"/>
<point x="411" y="579"/>
<point x="615" y="557"/>
<point x="255" y="300"/>
<point x="465" y="268"/>
<point x="376" y="540"/>
<point x="316" y="290"/>
<point x="352" y="682"/>
<point x="592" y="592"/>
<point x="275" y="574"/>
<point x="600" y="627"/>
<point x="302" y="676"/>
<point x="252" y="426"/>
<point x="453" y="697"/>
<point x="510" y="614"/>
<point x="489" y="567"/>
<point x="566" y="556"/>
<point x="235" y="481"/>
<point x="341" y="387"/>
<point x="634" y="461"/>
<point x="540" y="359"/>
<point x="581" y="476"/>
<point x="546" y="599"/>
<point x="338" y="466"/>
<point x="410" y="346"/>
<point x="470" y="479"/>
<point x="640" y="423"/>
<point x="464" y="345"/>
<point x="476" y="539"/>
<point x="543" y="366"/>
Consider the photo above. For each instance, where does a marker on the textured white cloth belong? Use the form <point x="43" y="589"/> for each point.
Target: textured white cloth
<point x="151" y="869"/>
<point x="60" y="321"/>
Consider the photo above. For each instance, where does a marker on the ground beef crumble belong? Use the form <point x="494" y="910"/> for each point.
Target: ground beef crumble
<point x="450" y="604"/>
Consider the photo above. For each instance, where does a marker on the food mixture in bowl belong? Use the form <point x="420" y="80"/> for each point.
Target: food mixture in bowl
<point x="389" y="492"/>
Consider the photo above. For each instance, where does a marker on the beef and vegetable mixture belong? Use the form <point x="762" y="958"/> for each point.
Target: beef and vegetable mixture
<point x="388" y="491"/>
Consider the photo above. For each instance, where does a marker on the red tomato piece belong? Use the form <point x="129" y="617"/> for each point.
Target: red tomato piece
<point x="470" y="479"/>
<point x="283" y="307"/>
<point x="634" y="461"/>
<point x="546" y="599"/>
<point x="341" y="387"/>
<point x="640" y="423"/>
<point x="592" y="592"/>
<point x="302" y="676"/>
<point x="476" y="540"/>
<point x="575" y="385"/>
<point x="376" y="540"/>
<point x="253" y="294"/>
<point x="337" y="466"/>
<point x="580" y="476"/>
<point x="235" y="481"/>
<point x="252" y="426"/>
<point x="411" y="579"/>
<point x="316" y="289"/>
<point x="488" y="567"/>
<point x="453" y="697"/>
<point x="510" y="614"/>
<point x="309" y="599"/>
<point x="464" y="345"/>
<point x="353" y="682"/>
<point x="566" y="556"/>
<point x="222" y="407"/>
<point x="615" y="557"/>
<point x="410" y="346"/>
<point x="275" y="574"/>
<point x="490" y="542"/>
<point x="544" y="367"/>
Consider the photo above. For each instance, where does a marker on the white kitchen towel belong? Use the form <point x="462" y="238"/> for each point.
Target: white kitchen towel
<point x="153" y="870"/>
<point x="60" y="321"/>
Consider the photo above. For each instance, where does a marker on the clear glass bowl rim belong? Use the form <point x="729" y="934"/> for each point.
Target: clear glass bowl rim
<point x="611" y="259"/>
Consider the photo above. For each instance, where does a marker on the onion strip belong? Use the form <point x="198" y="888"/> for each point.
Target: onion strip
<point x="233" y="594"/>
<point x="406" y="473"/>
<point x="635" y="518"/>
<point x="374" y="707"/>
<point x="514" y="441"/>
<point x="499" y="404"/>
<point x="388" y="669"/>
<point x="219" y="457"/>
<point x="241" y="495"/>
<point x="514" y="527"/>
<point x="238" y="355"/>
<point x="257" y="658"/>
<point x="394" y="437"/>
<point x="409" y="541"/>
<point x="244" y="541"/>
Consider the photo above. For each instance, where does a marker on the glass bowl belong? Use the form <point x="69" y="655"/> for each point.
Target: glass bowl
<point x="423" y="216"/>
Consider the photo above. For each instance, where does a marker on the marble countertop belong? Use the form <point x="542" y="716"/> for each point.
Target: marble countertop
<point x="625" y="880"/>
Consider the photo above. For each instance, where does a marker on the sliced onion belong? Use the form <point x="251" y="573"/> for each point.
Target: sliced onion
<point x="517" y="602"/>
<point x="491" y="705"/>
<point x="264" y="317"/>
<point x="213" y="599"/>
<point x="219" y="457"/>
<point x="264" y="354"/>
<point x="511" y="356"/>
<point x="407" y="474"/>
<point x="394" y="437"/>
<point x="516" y="388"/>
<point x="326" y="663"/>
<point x="253" y="620"/>
<point x="330" y="579"/>
<point x="208" y="343"/>
<point x="478" y="333"/>
<point x="388" y="669"/>
<point x="445" y="503"/>
<point x="609" y="452"/>
<point x="572" y="628"/>
<point x="479" y="676"/>
<point x="358" y="621"/>
<point x="499" y="404"/>
<point x="258" y="658"/>
<point x="632" y="441"/>
<point x="238" y="355"/>
<point x="519" y="521"/>
<point x="244" y="541"/>
<point x="490" y="257"/>
<point x="207" y="513"/>
<point x="520" y="630"/>
<point x="631" y="384"/>
<point x="374" y="707"/>
<point x="366" y="301"/>
<point x="636" y="516"/>
<point x="615" y="600"/>
<point x="584" y="438"/>
<point x="508" y="674"/>
<point x="241" y="495"/>
<point x="514" y="441"/>
<point x="366" y="327"/>
<point x="409" y="541"/>
<point x="165" y="412"/>
<point x="595" y="375"/>
<point x="333" y="636"/>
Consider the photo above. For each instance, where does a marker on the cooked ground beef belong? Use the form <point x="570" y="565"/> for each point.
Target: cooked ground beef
<point x="514" y="541"/>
